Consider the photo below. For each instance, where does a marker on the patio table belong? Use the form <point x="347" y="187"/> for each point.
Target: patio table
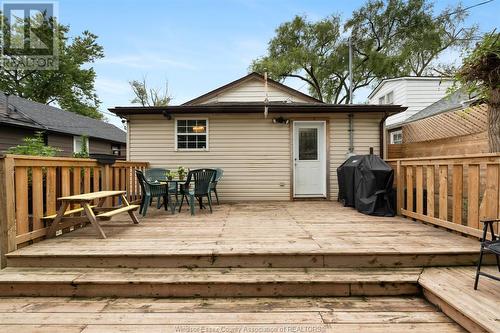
<point x="85" y="200"/>
<point x="171" y="203"/>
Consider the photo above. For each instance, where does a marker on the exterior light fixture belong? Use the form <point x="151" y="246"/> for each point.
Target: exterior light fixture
<point x="281" y="120"/>
<point x="167" y="115"/>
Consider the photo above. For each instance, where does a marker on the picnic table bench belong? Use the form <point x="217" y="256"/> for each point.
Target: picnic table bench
<point x="91" y="213"/>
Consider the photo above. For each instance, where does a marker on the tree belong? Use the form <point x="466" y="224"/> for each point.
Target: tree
<point x="71" y="85"/>
<point x="480" y="75"/>
<point x="34" y="146"/>
<point x="389" y="38"/>
<point x="149" y="96"/>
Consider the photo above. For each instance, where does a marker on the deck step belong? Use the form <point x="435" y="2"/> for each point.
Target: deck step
<point x="207" y="282"/>
<point x="451" y="290"/>
<point x="336" y="314"/>
<point x="177" y="257"/>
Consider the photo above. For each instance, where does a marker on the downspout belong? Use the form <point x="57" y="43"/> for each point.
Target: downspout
<point x="351" y="116"/>
<point x="127" y="148"/>
<point x="381" y="134"/>
<point x="351" y="135"/>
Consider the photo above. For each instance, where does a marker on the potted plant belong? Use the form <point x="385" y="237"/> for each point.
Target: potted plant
<point x="181" y="172"/>
<point x="171" y="174"/>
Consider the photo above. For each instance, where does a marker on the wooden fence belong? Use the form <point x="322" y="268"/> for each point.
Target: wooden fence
<point x="30" y="185"/>
<point x="454" y="192"/>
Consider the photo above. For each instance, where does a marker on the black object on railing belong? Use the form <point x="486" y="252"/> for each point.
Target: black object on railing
<point x="104" y="159"/>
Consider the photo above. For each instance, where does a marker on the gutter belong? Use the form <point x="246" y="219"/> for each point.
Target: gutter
<point x="381" y="134"/>
<point x="257" y="108"/>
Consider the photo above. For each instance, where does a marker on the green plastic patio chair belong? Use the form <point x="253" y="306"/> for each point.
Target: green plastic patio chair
<point x="150" y="190"/>
<point x="213" y="184"/>
<point x="154" y="175"/>
<point x="197" y="186"/>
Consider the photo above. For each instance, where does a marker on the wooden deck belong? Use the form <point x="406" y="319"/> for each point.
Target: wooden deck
<point x="274" y="234"/>
<point x="382" y="266"/>
<point x="367" y="315"/>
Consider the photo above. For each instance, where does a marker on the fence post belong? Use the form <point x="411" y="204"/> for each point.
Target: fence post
<point x="7" y="209"/>
<point x="399" y="188"/>
<point x="107" y="182"/>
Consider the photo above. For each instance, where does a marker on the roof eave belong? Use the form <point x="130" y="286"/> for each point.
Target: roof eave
<point x="285" y="108"/>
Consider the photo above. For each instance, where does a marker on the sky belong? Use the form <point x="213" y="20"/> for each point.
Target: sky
<point x="199" y="45"/>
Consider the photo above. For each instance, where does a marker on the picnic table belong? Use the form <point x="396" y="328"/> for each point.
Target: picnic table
<point x="63" y="219"/>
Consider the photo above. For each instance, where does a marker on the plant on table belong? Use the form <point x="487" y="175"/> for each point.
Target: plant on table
<point x="171" y="174"/>
<point x="181" y="171"/>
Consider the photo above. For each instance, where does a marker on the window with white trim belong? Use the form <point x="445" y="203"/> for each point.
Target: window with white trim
<point x="397" y="137"/>
<point x="191" y="134"/>
<point x="389" y="98"/>
<point x="78" y="142"/>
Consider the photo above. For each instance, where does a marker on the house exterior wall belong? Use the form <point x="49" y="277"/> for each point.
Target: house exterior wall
<point x="97" y="146"/>
<point x="254" y="91"/>
<point x="256" y="154"/>
<point x="11" y="136"/>
<point x="414" y="93"/>
<point x="63" y="142"/>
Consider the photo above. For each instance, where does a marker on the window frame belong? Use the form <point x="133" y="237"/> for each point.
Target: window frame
<point x="393" y="133"/>
<point x="391" y="100"/>
<point x="79" y="137"/>
<point x="176" y="134"/>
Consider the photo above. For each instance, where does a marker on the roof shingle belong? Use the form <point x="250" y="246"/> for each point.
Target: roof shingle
<point x="45" y="117"/>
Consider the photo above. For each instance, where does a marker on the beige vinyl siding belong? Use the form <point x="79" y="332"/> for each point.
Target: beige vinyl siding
<point x="366" y="135"/>
<point x="254" y="91"/>
<point x="254" y="153"/>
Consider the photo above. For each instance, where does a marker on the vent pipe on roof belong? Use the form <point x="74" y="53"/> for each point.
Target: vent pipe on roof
<point x="5" y="109"/>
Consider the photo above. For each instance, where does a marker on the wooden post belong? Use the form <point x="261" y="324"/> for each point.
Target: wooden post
<point x="473" y="196"/>
<point x="7" y="209"/>
<point x="106" y="182"/>
<point x="399" y="187"/>
<point x="430" y="190"/>
<point x="457" y="190"/>
<point x="443" y="192"/>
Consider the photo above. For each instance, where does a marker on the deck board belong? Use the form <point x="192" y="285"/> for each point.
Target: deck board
<point x="367" y="314"/>
<point x="452" y="288"/>
<point x="303" y="227"/>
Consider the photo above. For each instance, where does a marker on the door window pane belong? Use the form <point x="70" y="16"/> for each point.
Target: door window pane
<point x="308" y="144"/>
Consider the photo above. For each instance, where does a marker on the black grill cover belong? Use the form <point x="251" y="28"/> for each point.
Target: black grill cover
<point x="365" y="182"/>
<point x="345" y="178"/>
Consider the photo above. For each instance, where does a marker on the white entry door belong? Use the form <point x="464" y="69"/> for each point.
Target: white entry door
<point x="309" y="159"/>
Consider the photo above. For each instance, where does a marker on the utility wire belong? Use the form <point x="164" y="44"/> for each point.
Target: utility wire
<point x="467" y="8"/>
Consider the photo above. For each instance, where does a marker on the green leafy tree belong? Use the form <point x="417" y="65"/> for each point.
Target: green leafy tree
<point x="480" y="75"/>
<point x="34" y="146"/>
<point x="149" y="96"/>
<point x="389" y="38"/>
<point x="71" y="86"/>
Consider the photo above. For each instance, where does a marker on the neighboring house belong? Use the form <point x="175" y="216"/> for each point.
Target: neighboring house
<point x="455" y="125"/>
<point x="62" y="129"/>
<point x="293" y="152"/>
<point x="415" y="93"/>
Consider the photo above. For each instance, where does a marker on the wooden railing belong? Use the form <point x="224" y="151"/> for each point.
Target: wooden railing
<point x="454" y="192"/>
<point x="30" y="186"/>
